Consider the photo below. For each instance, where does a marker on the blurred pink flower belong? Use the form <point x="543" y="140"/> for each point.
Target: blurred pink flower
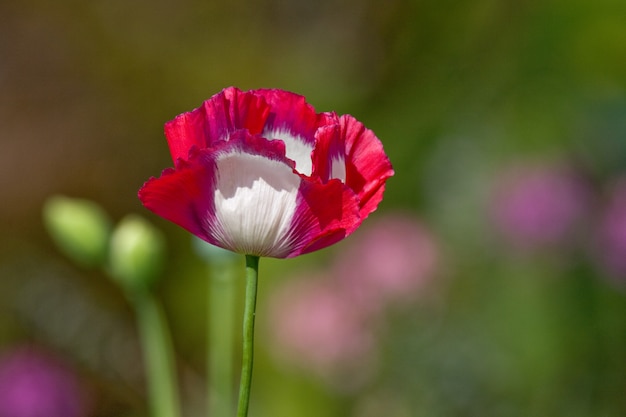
<point x="35" y="384"/>
<point x="611" y="239"/>
<point x="329" y="323"/>
<point x="316" y="327"/>
<point x="389" y="262"/>
<point x="539" y="205"/>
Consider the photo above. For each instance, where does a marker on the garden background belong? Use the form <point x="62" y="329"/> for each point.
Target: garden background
<point x="498" y="253"/>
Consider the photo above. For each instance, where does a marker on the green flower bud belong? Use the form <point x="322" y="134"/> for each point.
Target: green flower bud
<point x="136" y="253"/>
<point x="79" y="227"/>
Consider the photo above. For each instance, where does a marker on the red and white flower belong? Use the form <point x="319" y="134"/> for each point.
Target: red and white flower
<point x="261" y="173"/>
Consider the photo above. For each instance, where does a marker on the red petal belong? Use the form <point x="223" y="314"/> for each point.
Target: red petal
<point x="224" y="113"/>
<point x="326" y="214"/>
<point x="291" y="113"/>
<point x="367" y="166"/>
<point x="183" y="195"/>
<point x="329" y="147"/>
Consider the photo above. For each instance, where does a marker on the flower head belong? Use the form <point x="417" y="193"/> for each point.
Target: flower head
<point x="261" y="173"/>
<point x="34" y="384"/>
<point x="390" y="263"/>
<point x="316" y="329"/>
<point x="611" y="235"/>
<point x="539" y="206"/>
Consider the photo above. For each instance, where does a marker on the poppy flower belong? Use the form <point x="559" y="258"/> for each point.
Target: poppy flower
<point x="260" y="172"/>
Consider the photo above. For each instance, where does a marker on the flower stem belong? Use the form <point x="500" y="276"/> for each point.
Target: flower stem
<point x="157" y="348"/>
<point x="252" y="273"/>
<point x="221" y="339"/>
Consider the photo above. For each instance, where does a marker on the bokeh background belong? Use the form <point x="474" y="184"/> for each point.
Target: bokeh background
<point x="490" y="282"/>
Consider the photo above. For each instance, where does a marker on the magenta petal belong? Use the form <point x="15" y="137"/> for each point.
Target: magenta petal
<point x="367" y="166"/>
<point x="218" y="117"/>
<point x="327" y="213"/>
<point x="187" y="130"/>
<point x="291" y="113"/>
<point x="329" y="155"/>
<point x="232" y="110"/>
<point x="182" y="195"/>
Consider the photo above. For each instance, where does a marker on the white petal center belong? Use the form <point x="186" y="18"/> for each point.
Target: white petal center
<point x="296" y="149"/>
<point x="338" y="168"/>
<point x="255" y="200"/>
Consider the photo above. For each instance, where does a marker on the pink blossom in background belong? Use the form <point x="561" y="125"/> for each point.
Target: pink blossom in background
<point x="611" y="239"/>
<point x="388" y="262"/>
<point x="539" y="205"/>
<point x="34" y="384"/>
<point x="329" y="323"/>
<point x="317" y="327"/>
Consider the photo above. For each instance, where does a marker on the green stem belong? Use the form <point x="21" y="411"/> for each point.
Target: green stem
<point x="221" y="339"/>
<point x="158" y="357"/>
<point x="252" y="273"/>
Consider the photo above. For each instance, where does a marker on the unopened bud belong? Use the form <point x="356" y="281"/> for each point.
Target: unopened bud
<point x="136" y="253"/>
<point x="79" y="227"/>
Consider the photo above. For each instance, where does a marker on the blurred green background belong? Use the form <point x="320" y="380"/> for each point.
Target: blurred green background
<point x="461" y="93"/>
